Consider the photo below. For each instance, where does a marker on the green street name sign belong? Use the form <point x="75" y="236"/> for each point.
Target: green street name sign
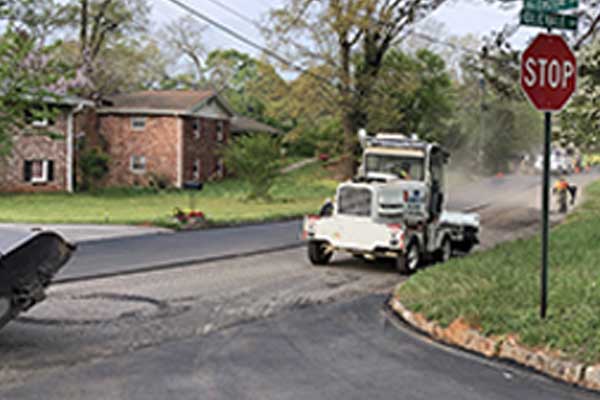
<point x="548" y="20"/>
<point x="550" y="5"/>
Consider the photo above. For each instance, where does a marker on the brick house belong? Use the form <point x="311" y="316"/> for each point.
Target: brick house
<point x="42" y="156"/>
<point x="169" y="136"/>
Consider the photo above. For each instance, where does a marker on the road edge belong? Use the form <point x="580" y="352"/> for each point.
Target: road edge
<point x="504" y="348"/>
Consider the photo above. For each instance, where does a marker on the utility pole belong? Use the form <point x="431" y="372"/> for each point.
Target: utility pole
<point x="480" y="140"/>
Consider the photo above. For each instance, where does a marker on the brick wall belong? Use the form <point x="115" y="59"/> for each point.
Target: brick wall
<point x="35" y="144"/>
<point x="157" y="142"/>
<point x="203" y="150"/>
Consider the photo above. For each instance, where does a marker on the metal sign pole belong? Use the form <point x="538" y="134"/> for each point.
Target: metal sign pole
<point x="545" y="213"/>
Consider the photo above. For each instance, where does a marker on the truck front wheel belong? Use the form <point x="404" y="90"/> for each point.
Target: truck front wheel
<point x="318" y="252"/>
<point x="409" y="261"/>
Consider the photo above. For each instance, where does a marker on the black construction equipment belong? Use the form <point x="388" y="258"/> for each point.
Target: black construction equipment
<point x="28" y="262"/>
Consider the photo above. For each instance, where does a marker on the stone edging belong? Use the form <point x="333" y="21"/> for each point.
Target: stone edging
<point x="503" y="348"/>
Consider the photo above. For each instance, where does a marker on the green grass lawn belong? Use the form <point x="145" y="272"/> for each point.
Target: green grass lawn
<point x="294" y="194"/>
<point x="498" y="290"/>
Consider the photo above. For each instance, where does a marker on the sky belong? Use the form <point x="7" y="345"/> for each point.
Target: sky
<point x="459" y="17"/>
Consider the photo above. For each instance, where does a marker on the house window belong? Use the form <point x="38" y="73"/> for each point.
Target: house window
<point x="38" y="171"/>
<point x="138" y="164"/>
<point x="33" y="119"/>
<point x="138" y="123"/>
<point x="197" y="126"/>
<point x="196" y="171"/>
<point x="220" y="135"/>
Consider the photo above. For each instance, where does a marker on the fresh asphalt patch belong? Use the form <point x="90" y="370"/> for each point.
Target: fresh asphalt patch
<point x="343" y="350"/>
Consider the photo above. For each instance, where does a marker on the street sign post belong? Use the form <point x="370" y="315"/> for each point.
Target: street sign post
<point x="548" y="19"/>
<point x="548" y="78"/>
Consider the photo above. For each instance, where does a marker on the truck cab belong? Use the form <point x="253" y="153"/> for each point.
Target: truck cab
<point x="393" y="208"/>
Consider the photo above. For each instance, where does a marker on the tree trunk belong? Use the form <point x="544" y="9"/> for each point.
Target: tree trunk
<point x="348" y="111"/>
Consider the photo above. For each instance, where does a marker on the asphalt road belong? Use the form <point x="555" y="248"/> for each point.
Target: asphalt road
<point x="116" y="256"/>
<point x="268" y="326"/>
<point x="341" y="351"/>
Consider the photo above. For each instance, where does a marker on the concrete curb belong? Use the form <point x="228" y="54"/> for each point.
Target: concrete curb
<point x="461" y="335"/>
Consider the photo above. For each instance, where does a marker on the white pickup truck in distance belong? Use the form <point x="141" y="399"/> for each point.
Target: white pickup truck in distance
<point x="393" y="208"/>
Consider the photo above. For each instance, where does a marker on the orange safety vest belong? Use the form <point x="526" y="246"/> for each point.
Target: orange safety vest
<point x="561" y="186"/>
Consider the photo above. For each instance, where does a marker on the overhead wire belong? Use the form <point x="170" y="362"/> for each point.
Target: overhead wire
<point x="238" y="36"/>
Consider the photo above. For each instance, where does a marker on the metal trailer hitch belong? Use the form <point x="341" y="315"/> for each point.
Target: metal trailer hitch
<point x="28" y="262"/>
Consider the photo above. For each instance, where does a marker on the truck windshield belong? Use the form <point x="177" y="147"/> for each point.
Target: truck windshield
<point x="409" y="168"/>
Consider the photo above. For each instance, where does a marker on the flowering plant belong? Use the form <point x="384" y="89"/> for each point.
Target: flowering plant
<point x="189" y="216"/>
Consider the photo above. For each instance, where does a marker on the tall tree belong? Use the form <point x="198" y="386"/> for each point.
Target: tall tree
<point x="183" y="41"/>
<point x="99" y="22"/>
<point x="42" y="19"/>
<point x="253" y="87"/>
<point x="334" y="33"/>
<point x="415" y="95"/>
<point x="580" y="120"/>
<point x="29" y="77"/>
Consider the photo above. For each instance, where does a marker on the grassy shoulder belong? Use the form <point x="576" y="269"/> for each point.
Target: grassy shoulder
<point x="294" y="194"/>
<point x="498" y="290"/>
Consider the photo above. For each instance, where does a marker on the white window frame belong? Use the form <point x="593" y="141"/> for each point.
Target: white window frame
<point x="196" y="170"/>
<point x="44" y="177"/>
<point x="141" y="159"/>
<point x="41" y="123"/>
<point x="197" y="128"/>
<point x="220" y="133"/>
<point x="138" y="119"/>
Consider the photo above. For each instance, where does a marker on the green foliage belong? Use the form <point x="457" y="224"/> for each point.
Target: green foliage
<point x="499" y="289"/>
<point x="256" y="160"/>
<point x="580" y="122"/>
<point x="252" y="87"/>
<point x="93" y="164"/>
<point x="510" y="129"/>
<point x="323" y="138"/>
<point x="27" y="73"/>
<point x="414" y="94"/>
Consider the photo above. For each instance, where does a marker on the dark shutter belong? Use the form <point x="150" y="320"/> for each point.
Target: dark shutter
<point x="50" y="170"/>
<point x="27" y="169"/>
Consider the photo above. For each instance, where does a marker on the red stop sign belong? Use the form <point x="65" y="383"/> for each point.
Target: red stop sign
<point x="548" y="72"/>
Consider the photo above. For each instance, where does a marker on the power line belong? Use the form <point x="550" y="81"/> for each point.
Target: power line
<point x="251" y="43"/>
<point x="235" y="12"/>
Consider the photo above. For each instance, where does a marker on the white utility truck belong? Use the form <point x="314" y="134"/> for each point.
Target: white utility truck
<point x="393" y="208"/>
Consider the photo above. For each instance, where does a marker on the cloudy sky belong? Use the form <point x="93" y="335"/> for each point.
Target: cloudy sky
<point x="460" y="17"/>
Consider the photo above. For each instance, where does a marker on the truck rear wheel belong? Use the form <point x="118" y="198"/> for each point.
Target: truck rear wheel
<point x="445" y="252"/>
<point x="408" y="262"/>
<point x="318" y="253"/>
<point x="465" y="247"/>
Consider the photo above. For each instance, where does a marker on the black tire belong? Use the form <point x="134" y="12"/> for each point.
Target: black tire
<point x="445" y="252"/>
<point x="318" y="254"/>
<point x="464" y="247"/>
<point x="408" y="262"/>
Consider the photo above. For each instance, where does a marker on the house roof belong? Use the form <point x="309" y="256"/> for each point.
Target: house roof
<point x="176" y="100"/>
<point x="165" y="102"/>
<point x="241" y="124"/>
<point x="63" y="100"/>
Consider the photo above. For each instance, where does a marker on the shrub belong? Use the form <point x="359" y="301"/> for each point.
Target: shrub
<point x="94" y="167"/>
<point x="160" y="181"/>
<point x="256" y="160"/>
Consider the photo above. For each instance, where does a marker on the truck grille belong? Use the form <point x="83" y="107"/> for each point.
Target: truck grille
<point x="354" y="201"/>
